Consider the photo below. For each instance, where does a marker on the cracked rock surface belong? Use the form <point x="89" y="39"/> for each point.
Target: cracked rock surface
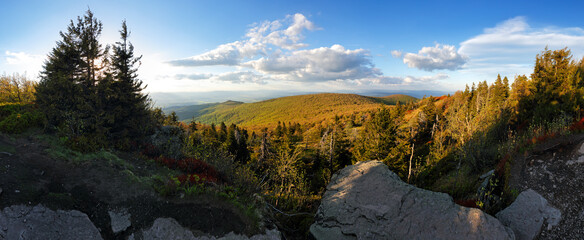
<point x="38" y="222"/>
<point x="368" y="201"/>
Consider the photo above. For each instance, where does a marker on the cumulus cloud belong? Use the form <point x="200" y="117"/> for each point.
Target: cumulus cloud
<point x="434" y="58"/>
<point x="319" y="64"/>
<point x="273" y="33"/>
<point x="274" y="49"/>
<point x="274" y="52"/>
<point x="285" y="34"/>
<point x="510" y="47"/>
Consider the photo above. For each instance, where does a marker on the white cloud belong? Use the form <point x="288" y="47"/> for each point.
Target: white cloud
<point x="409" y="80"/>
<point x="273" y="49"/>
<point x="510" y="47"/>
<point x="289" y="38"/>
<point x="319" y="64"/>
<point x="16" y="58"/>
<point x="397" y="54"/>
<point x="232" y="77"/>
<point x="285" y="34"/>
<point x="434" y="58"/>
<point x="24" y="62"/>
<point x="225" y="54"/>
<point x="273" y="52"/>
<point x="193" y="76"/>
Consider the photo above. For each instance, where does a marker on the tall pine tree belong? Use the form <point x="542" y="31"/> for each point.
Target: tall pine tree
<point x="67" y="90"/>
<point x="92" y="98"/>
<point x="127" y="107"/>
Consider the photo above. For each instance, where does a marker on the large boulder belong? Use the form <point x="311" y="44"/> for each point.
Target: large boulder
<point x="39" y="222"/>
<point x="528" y="214"/>
<point x="368" y="201"/>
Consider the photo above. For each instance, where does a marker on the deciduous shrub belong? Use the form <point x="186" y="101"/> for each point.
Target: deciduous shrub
<point x="16" y="118"/>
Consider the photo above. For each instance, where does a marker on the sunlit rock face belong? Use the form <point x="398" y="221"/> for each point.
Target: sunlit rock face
<point x="368" y="201"/>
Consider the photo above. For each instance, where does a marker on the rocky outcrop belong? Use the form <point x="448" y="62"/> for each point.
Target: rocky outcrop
<point x="39" y="222"/>
<point x="368" y="201"/>
<point x="168" y="228"/>
<point x="528" y="214"/>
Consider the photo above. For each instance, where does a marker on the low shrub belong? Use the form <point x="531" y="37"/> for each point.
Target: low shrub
<point x="17" y="118"/>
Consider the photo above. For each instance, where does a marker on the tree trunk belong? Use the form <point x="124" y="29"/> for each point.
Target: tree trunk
<point x="331" y="152"/>
<point x="411" y="157"/>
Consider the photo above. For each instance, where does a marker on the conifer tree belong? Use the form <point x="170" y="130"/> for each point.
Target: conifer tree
<point x="128" y="106"/>
<point x="67" y="90"/>
<point x="554" y="85"/>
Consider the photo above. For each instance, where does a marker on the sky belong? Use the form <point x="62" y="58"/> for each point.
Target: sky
<point x="305" y="46"/>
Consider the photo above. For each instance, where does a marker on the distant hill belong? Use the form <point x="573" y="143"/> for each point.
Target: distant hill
<point x="402" y="98"/>
<point x="302" y="109"/>
<point x="187" y="113"/>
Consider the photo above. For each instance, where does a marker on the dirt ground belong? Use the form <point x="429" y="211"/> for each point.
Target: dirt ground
<point x="555" y="169"/>
<point x="29" y="176"/>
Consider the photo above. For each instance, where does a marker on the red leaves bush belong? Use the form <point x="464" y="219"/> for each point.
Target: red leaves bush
<point x="196" y="171"/>
<point x="196" y="178"/>
<point x="578" y="126"/>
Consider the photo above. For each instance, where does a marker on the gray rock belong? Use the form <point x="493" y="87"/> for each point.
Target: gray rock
<point x="528" y="214"/>
<point x="368" y="201"/>
<point x="167" y="228"/>
<point x="27" y="222"/>
<point x="120" y="220"/>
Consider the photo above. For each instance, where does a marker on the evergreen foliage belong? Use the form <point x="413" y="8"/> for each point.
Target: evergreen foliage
<point x="90" y="98"/>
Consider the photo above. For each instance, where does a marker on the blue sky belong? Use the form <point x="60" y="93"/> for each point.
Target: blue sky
<point x="306" y="46"/>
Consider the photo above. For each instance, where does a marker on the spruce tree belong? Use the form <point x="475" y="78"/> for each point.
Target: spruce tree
<point x="553" y="79"/>
<point x="67" y="90"/>
<point x="128" y="107"/>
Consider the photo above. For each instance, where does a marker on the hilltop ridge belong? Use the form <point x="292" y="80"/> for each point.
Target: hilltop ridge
<point x="306" y="108"/>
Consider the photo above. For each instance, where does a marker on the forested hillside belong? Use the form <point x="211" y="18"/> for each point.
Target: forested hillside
<point x="311" y="108"/>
